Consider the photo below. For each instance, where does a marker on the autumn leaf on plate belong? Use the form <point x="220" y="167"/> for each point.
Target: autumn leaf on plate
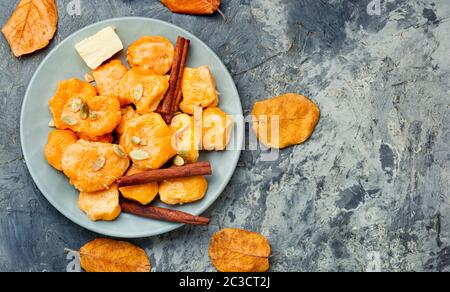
<point x="235" y="250"/>
<point x="192" y="6"/>
<point x="107" y="255"/>
<point x="32" y="26"/>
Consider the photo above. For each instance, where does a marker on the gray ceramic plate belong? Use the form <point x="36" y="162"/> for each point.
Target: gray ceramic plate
<point x="64" y="63"/>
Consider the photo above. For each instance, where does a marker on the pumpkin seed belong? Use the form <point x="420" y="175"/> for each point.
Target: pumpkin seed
<point x="76" y="105"/>
<point x="93" y="116"/>
<point x="84" y="110"/>
<point x="139" y="155"/>
<point x="119" y="151"/>
<point x="138" y="92"/>
<point x="69" y="120"/>
<point x="178" y="160"/>
<point x="51" y="124"/>
<point x="135" y="140"/>
<point x="89" y="78"/>
<point x="183" y="153"/>
<point x="99" y="164"/>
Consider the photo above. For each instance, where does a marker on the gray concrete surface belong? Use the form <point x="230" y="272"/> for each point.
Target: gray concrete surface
<point x="370" y="190"/>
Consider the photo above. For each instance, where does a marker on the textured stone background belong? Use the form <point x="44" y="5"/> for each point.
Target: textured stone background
<point x="369" y="190"/>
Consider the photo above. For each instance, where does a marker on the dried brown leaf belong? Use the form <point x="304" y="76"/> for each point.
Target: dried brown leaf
<point x="107" y="255"/>
<point x="235" y="250"/>
<point x="192" y="6"/>
<point x="32" y="26"/>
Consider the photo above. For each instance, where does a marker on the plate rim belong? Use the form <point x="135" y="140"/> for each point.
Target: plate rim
<point x="143" y="234"/>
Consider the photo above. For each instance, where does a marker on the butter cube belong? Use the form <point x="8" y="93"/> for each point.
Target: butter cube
<point x="100" y="47"/>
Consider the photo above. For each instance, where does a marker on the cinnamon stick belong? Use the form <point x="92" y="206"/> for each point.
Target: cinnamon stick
<point x="171" y="101"/>
<point x="188" y="170"/>
<point x="173" y="75"/>
<point x="167" y="101"/>
<point x="162" y="214"/>
<point x="177" y="96"/>
<point x="176" y="106"/>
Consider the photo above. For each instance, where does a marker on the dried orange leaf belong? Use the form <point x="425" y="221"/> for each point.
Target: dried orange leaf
<point x="285" y="120"/>
<point x="32" y="26"/>
<point x="235" y="250"/>
<point x="107" y="255"/>
<point x="192" y="6"/>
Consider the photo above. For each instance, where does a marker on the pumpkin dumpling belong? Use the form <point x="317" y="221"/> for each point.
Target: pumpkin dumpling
<point x="217" y="129"/>
<point x="58" y="142"/>
<point x="199" y="89"/>
<point x="94" y="166"/>
<point x="184" y="139"/>
<point x="107" y="78"/>
<point x="143" y="194"/>
<point x="151" y="53"/>
<point x="102" y="205"/>
<point x="92" y="116"/>
<point x="69" y="93"/>
<point x="148" y="141"/>
<point x="183" y="190"/>
<point x="144" y="90"/>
